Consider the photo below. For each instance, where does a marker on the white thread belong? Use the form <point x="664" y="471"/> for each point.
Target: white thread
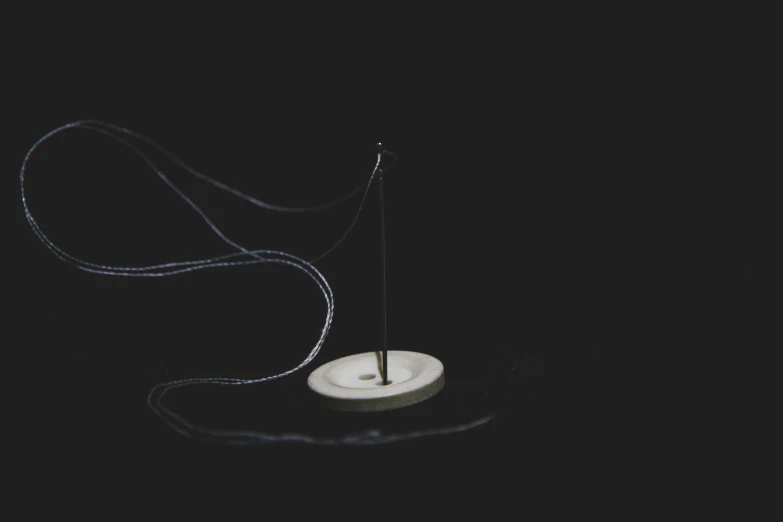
<point x="154" y="398"/>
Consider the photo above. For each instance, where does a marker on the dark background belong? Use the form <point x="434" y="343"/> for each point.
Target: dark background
<point x="575" y="233"/>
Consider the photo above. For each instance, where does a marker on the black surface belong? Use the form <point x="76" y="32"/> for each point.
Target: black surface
<point x="563" y="251"/>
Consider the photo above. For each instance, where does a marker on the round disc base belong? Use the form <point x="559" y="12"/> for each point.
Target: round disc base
<point x="355" y="383"/>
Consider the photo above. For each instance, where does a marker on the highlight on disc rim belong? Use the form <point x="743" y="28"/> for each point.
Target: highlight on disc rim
<point x="354" y="383"/>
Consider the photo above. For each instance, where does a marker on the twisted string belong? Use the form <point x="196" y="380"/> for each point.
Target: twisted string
<point x="242" y="256"/>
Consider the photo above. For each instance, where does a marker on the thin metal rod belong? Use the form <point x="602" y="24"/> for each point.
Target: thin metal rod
<point x="383" y="272"/>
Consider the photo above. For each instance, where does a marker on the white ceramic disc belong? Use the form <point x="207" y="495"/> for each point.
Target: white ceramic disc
<point x="355" y="383"/>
